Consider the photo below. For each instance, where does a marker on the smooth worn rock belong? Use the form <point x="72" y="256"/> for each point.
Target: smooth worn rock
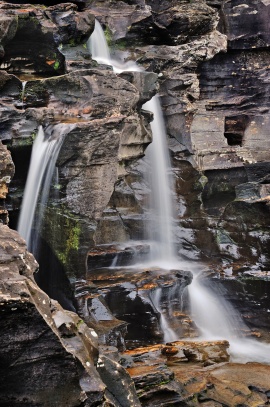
<point x="45" y="351"/>
<point x="118" y="382"/>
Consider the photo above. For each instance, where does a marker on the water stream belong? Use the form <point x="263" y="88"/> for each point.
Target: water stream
<point x="161" y="228"/>
<point x="162" y="251"/>
<point x="44" y="154"/>
<point x="23" y="92"/>
<point x="217" y="319"/>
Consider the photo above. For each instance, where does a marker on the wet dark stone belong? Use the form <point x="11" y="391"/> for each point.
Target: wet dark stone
<point x="51" y="276"/>
<point x="35" y="368"/>
<point x="130" y="295"/>
<point x="220" y="188"/>
<point x="105" y="256"/>
<point x="249" y="294"/>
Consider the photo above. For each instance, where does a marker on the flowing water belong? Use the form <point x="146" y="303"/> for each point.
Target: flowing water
<point x="214" y="316"/>
<point x="169" y="334"/>
<point x="23" y="92"/>
<point x="161" y="228"/>
<point x="44" y="154"/>
<point x="217" y="319"/>
<point x="162" y="251"/>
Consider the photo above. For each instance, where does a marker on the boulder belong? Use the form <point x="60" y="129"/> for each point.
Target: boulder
<point x="150" y="22"/>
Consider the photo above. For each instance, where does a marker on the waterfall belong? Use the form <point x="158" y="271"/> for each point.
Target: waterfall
<point x="169" y="334"/>
<point x="161" y="198"/>
<point x="161" y="225"/>
<point x="213" y="315"/>
<point x="98" y="45"/>
<point x="23" y="92"/>
<point x="44" y="154"/>
<point x="161" y="234"/>
<point x="217" y="319"/>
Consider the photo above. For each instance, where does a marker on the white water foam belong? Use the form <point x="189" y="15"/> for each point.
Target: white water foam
<point x="217" y="319"/>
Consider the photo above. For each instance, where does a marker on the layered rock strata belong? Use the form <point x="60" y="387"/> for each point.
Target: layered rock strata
<point x="217" y="122"/>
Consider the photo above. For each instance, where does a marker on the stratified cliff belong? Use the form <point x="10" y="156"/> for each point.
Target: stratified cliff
<point x="209" y="62"/>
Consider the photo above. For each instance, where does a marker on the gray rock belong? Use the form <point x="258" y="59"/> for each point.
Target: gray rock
<point x="118" y="382"/>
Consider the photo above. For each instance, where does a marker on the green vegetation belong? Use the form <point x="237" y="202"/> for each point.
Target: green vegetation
<point x="23" y="142"/>
<point x="65" y="229"/>
<point x="72" y="235"/>
<point x="56" y="65"/>
<point x="108" y="36"/>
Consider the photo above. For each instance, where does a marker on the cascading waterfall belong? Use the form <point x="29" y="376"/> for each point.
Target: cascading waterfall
<point x="213" y="315"/>
<point x="161" y="198"/>
<point x="162" y="250"/>
<point x="23" y="92"/>
<point x="44" y="154"/>
<point x="161" y="229"/>
<point x="217" y="319"/>
<point x="169" y="334"/>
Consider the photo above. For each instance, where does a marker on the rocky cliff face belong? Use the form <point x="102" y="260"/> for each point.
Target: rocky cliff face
<point x="216" y="113"/>
<point x="209" y="62"/>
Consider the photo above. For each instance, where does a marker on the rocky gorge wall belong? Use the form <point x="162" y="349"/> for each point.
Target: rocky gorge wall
<point x="209" y="63"/>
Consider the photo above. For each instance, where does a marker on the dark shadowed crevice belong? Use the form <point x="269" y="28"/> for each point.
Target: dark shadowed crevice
<point x="235" y="127"/>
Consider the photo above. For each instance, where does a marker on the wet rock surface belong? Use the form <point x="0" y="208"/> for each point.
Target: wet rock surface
<point x="134" y="295"/>
<point x="6" y="173"/>
<point x="216" y="108"/>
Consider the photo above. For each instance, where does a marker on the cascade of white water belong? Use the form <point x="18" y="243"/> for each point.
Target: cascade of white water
<point x="169" y="334"/>
<point x="46" y="183"/>
<point x="161" y="228"/>
<point x="23" y="92"/>
<point x="214" y="317"/>
<point x="44" y="151"/>
<point x="161" y="198"/>
<point x="217" y="319"/>
<point x="97" y="44"/>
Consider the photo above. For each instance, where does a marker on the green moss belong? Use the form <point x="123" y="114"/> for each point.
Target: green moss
<point x="24" y="142"/>
<point x="71" y="234"/>
<point x="79" y="323"/>
<point x="203" y="180"/>
<point x="72" y="42"/>
<point x="56" y="65"/>
<point x="121" y="44"/>
<point x="108" y="36"/>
